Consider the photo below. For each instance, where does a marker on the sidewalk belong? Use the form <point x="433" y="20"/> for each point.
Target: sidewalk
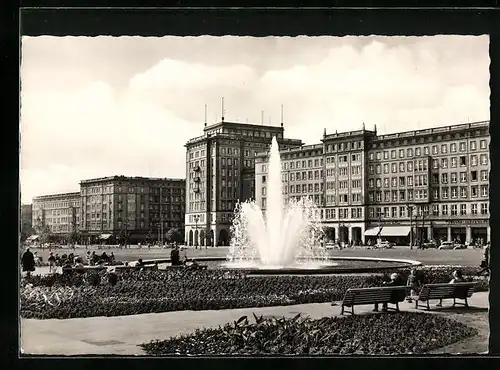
<point x="121" y="335"/>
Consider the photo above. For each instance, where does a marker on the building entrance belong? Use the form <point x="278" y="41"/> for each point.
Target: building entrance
<point x="458" y="234"/>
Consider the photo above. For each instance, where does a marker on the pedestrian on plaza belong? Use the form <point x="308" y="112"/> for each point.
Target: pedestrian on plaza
<point x="414" y="282"/>
<point x="174" y="257"/>
<point x="395" y="281"/>
<point x="28" y="262"/>
<point x="52" y="262"/>
<point x="112" y="258"/>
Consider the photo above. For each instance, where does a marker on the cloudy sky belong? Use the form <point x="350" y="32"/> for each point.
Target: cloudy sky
<point x="93" y="107"/>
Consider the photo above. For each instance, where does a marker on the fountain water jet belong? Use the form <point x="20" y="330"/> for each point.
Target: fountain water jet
<point x="287" y="235"/>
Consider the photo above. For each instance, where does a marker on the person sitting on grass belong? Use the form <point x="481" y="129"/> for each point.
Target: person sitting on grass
<point x="457" y="277"/>
<point x="395" y="281"/>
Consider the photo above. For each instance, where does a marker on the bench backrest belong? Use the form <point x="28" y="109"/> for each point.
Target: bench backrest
<point x="358" y="296"/>
<point x="444" y="291"/>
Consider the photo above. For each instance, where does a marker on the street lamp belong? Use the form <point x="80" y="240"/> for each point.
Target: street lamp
<point x="196" y="219"/>
<point x="410" y="212"/>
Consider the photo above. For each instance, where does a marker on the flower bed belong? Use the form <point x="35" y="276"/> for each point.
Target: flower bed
<point x="138" y="292"/>
<point x="397" y="333"/>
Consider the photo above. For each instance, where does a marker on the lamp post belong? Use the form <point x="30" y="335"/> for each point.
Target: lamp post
<point x="379" y="228"/>
<point x="196" y="219"/>
<point x="410" y="212"/>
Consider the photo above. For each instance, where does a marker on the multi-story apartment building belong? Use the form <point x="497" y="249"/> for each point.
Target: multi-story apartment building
<point x="138" y="207"/>
<point x="424" y="184"/>
<point x="220" y="167"/>
<point x="60" y="212"/>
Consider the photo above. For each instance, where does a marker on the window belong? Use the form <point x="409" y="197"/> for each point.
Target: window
<point x="426" y="150"/>
<point x="386" y="182"/>
<point x="401" y="153"/>
<point x="484" y="208"/>
<point x="379" y="156"/>
<point x="484" y="175"/>
<point x="386" y="212"/>
<point x="394" y="167"/>
<point x="417" y="152"/>
<point x="387" y="196"/>
<point x="401" y="181"/>
<point x="393" y="154"/>
<point x="401" y="167"/>
<point x="402" y="195"/>
<point x="394" y="212"/>
<point x="453" y="177"/>
<point x="434" y="149"/>
<point x="463" y="176"/>
<point x="463" y="192"/>
<point x="409" y="152"/>
<point x="394" y="182"/>
<point x="444" y="148"/>
<point x="435" y="194"/>
<point x="402" y="212"/>
<point x="379" y="196"/>
<point x="463" y="209"/>
<point x="484" y="190"/>
<point x="409" y="180"/>
<point x="444" y="178"/>
<point x="454" y="162"/>
<point x="473" y="147"/>
<point x="463" y="161"/>
<point x="444" y="162"/>
<point x="463" y="146"/>
<point x="484" y="160"/>
<point x="379" y="169"/>
<point x="453" y="148"/>
<point x="482" y="144"/>
<point x="386" y="154"/>
<point x="454" y="193"/>
<point x="409" y="166"/>
<point x="453" y="209"/>
<point x="379" y="183"/>
<point x="473" y="160"/>
<point x="473" y="191"/>
<point x="435" y="163"/>
<point x="473" y="209"/>
<point x="386" y="168"/>
<point x="444" y="210"/>
<point x="444" y="193"/>
<point x="435" y="210"/>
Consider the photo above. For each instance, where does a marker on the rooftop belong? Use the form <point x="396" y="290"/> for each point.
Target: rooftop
<point x="130" y="178"/>
<point x="60" y="195"/>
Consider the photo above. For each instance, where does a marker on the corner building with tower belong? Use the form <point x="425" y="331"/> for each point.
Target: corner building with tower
<point x="407" y="187"/>
<point x="220" y="171"/>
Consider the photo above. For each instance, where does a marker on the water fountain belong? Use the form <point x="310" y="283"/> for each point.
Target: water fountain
<point x="287" y="234"/>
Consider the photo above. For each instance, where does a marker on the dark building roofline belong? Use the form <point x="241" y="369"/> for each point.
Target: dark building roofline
<point x="59" y="195"/>
<point x="130" y="178"/>
<point x="242" y="125"/>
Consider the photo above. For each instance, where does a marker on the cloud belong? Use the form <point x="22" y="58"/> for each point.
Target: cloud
<point x="101" y="106"/>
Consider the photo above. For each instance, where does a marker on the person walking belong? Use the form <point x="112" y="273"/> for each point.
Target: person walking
<point x="175" y="257"/>
<point x="28" y="262"/>
<point x="52" y="263"/>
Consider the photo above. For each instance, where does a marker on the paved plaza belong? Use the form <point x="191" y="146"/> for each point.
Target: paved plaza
<point x="121" y="335"/>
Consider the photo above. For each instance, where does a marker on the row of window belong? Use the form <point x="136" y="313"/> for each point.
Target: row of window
<point x="436" y="149"/>
<point x="437" y="210"/>
<point x="422" y="194"/>
<point x="344" y="146"/>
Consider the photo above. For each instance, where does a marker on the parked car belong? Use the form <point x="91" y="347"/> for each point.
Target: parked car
<point x="429" y="245"/>
<point x="385" y="245"/>
<point x="459" y="246"/>
<point x="447" y="245"/>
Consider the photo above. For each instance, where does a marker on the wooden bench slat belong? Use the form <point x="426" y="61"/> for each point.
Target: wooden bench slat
<point x="446" y="291"/>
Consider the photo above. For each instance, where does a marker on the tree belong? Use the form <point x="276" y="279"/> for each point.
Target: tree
<point x="330" y="233"/>
<point x="174" y="235"/>
<point x="74" y="237"/>
<point x="45" y="234"/>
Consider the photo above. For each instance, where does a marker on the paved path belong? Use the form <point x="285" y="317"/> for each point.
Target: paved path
<point x="121" y="335"/>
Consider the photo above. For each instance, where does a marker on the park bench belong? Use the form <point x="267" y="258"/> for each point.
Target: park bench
<point x="361" y="296"/>
<point x="445" y="291"/>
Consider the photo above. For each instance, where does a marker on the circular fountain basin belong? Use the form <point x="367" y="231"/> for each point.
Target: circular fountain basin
<point x="332" y="265"/>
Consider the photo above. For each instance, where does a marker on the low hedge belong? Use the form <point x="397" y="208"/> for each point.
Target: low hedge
<point x="397" y="333"/>
<point x="138" y="292"/>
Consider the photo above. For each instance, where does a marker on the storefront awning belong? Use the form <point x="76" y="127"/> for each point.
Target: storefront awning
<point x="395" y="231"/>
<point x="33" y="237"/>
<point x="104" y="236"/>
<point x="373" y="231"/>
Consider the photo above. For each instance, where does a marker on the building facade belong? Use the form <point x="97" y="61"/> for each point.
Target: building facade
<point x="26" y="220"/>
<point x="220" y="168"/>
<point x="59" y="212"/>
<point x="137" y="208"/>
<point x="417" y="185"/>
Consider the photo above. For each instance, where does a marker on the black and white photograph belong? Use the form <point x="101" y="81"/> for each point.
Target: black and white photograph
<point x="254" y="196"/>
